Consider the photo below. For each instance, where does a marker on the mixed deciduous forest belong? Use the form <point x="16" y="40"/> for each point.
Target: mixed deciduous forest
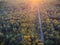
<point x="19" y="23"/>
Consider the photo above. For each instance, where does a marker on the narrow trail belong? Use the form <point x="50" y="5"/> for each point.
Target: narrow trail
<point x="40" y="23"/>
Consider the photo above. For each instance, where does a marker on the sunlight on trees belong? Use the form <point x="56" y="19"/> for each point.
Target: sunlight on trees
<point x="19" y="24"/>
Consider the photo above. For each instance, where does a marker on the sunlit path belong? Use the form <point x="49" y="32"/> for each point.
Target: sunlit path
<point x="41" y="32"/>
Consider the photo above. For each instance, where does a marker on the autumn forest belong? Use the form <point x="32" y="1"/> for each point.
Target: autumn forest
<point x="29" y="22"/>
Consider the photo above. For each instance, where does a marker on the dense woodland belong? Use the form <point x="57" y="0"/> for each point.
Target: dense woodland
<point x="19" y="25"/>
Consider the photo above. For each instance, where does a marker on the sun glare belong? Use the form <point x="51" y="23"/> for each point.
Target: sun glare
<point x="36" y="1"/>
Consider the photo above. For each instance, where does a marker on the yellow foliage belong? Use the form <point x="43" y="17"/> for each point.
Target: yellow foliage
<point x="55" y="21"/>
<point x="1" y="33"/>
<point x="27" y="37"/>
<point x="12" y="21"/>
<point x="47" y="20"/>
<point x="51" y="35"/>
<point x="23" y="30"/>
<point x="24" y="24"/>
